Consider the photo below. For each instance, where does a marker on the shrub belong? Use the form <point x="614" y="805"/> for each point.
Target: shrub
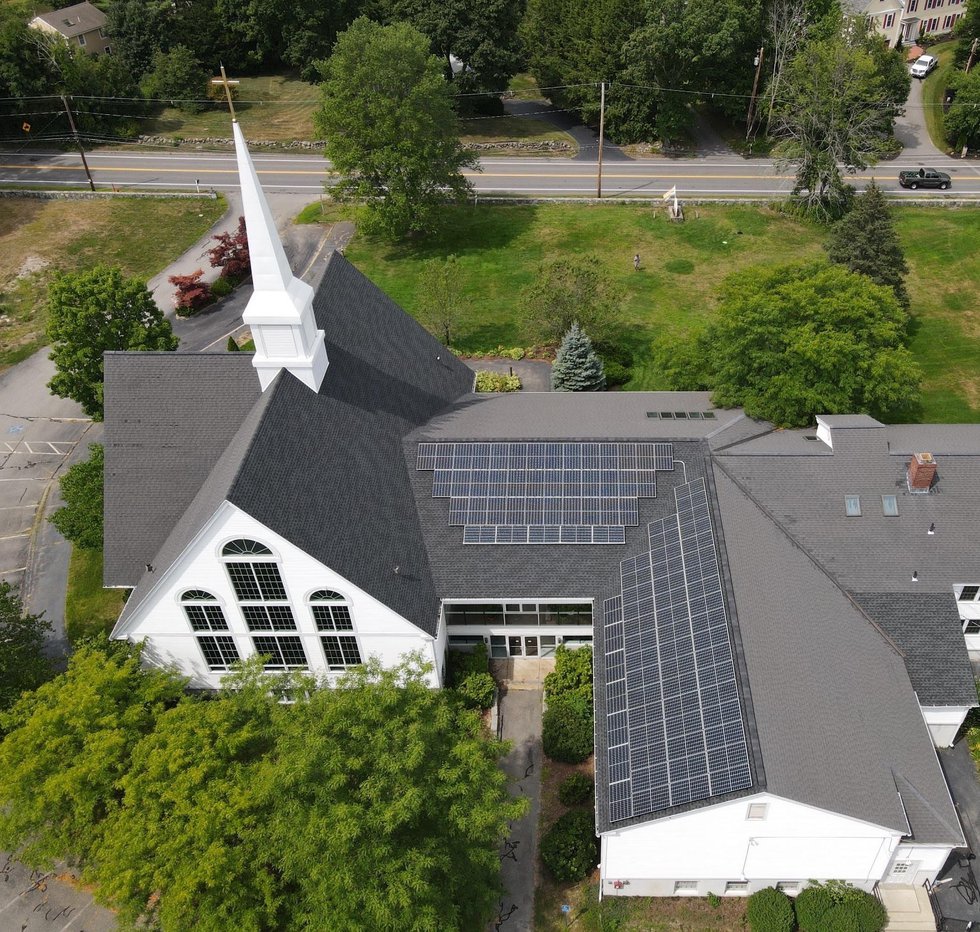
<point x="221" y="288"/>
<point x="464" y="663"/>
<point x="570" y="849"/>
<point x="230" y="253"/>
<point x="616" y="374"/>
<point x="811" y="904"/>
<point x="839" y="918"/>
<point x="233" y="346"/>
<point x="575" y="789"/>
<point x="497" y="382"/>
<point x="770" y="910"/>
<point x="567" y="733"/>
<point x="863" y="910"/>
<point x="192" y="294"/>
<point x="571" y="680"/>
<point x="477" y="690"/>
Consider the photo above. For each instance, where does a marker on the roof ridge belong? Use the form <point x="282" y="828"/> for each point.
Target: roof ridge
<point x="830" y="576"/>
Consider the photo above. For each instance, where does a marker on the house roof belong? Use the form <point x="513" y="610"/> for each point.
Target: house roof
<point x="837" y="719"/>
<point x="74" y="20"/>
<point x="284" y="449"/>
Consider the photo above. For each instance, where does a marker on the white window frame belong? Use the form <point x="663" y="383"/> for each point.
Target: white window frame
<point x="789" y="887"/>
<point x="736" y="888"/>
<point x="852" y="506"/>
<point x="756" y="812"/>
<point x="686" y="888"/>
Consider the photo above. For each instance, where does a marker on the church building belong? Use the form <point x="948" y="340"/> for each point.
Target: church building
<point x="782" y="620"/>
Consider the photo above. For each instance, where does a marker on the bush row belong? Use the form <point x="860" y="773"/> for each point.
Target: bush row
<point x="567" y="727"/>
<point x="497" y="382"/>
<point x="831" y="907"/>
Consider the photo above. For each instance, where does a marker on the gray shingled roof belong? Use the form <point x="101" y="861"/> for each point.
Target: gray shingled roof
<point x="836" y="715"/>
<point x="386" y="376"/>
<point x="168" y="419"/>
<point x="75" y="20"/>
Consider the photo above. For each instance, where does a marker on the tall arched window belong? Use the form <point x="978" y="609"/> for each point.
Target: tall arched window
<point x="205" y="615"/>
<point x="261" y="595"/>
<point x="331" y="613"/>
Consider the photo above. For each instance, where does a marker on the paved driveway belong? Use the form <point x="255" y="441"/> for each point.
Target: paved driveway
<point x="911" y="132"/>
<point x="38" y="434"/>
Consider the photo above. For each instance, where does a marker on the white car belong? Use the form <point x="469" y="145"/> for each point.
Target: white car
<point x="923" y="65"/>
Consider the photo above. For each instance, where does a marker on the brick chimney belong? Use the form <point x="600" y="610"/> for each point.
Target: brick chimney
<point x="922" y="472"/>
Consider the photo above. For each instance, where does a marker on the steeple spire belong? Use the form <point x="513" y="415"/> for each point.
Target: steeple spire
<point x="280" y="311"/>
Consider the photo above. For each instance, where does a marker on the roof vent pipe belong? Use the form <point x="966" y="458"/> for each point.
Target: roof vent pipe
<point x="921" y="472"/>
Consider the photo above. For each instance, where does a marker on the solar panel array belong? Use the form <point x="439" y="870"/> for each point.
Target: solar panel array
<point x="519" y="492"/>
<point x="674" y="718"/>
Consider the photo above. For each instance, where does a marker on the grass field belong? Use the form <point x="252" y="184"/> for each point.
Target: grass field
<point x="932" y="93"/>
<point x="499" y="249"/>
<point x="89" y="609"/>
<point x="140" y="235"/>
<point x="273" y="107"/>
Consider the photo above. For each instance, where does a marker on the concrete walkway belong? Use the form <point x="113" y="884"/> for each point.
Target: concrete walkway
<point x="535" y="374"/>
<point x="520" y="716"/>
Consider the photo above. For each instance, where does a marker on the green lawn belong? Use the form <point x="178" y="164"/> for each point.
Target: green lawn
<point x="933" y="90"/>
<point x="682" y="266"/>
<point x="272" y="107"/>
<point x="37" y="237"/>
<point x="89" y="609"/>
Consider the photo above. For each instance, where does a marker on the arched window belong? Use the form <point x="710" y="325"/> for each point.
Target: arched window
<point x="205" y="615"/>
<point x="258" y="585"/>
<point x="331" y="613"/>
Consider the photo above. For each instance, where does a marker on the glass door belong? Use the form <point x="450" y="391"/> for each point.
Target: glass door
<point x="498" y="646"/>
<point x="515" y="645"/>
<point x="531" y="646"/>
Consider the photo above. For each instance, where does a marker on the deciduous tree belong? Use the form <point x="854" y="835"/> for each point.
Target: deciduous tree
<point x="68" y="744"/>
<point x="230" y="253"/>
<point x="439" y="301"/>
<point x="177" y="76"/>
<point x="799" y="340"/>
<point x="80" y="518"/>
<point x="864" y="240"/>
<point x="577" y="368"/>
<point x="836" y="108"/>
<point x="191" y="292"/>
<point x="23" y="665"/>
<point x="390" y="128"/>
<point x="963" y="117"/>
<point x="90" y="313"/>
<point x="569" y="291"/>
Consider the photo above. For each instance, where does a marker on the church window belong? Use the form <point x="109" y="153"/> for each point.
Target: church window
<point x="331" y="613"/>
<point x="205" y="615"/>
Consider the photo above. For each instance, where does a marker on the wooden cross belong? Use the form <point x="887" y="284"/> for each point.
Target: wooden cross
<point x="227" y="85"/>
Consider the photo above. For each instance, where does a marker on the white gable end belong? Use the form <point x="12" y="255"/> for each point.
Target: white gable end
<point x="760" y="840"/>
<point x="161" y="621"/>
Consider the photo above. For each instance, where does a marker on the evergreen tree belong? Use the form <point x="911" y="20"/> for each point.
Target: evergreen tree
<point x="864" y="240"/>
<point x="577" y="368"/>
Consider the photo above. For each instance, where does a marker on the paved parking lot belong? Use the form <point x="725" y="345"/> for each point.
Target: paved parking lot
<point x="31" y="902"/>
<point x="39" y="434"/>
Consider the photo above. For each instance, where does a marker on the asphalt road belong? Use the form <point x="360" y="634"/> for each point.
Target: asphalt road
<point x="717" y="175"/>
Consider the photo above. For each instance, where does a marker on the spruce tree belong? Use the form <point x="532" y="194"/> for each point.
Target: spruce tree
<point x="864" y="240"/>
<point x="577" y="368"/>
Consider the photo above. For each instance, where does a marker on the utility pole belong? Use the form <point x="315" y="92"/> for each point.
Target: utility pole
<point x="602" y="130"/>
<point x="973" y="52"/>
<point x="78" y="142"/>
<point x="227" y="85"/>
<point x="755" y="87"/>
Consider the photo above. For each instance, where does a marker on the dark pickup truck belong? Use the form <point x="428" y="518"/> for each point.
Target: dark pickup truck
<point x="924" y="178"/>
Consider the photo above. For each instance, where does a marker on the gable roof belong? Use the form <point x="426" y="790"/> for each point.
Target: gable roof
<point x="838" y="722"/>
<point x="386" y="376"/>
<point x="75" y="20"/>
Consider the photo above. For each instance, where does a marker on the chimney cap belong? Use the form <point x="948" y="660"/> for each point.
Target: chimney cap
<point x="925" y="458"/>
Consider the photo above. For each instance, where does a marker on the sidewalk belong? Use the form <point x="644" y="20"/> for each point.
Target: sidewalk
<point x="520" y="714"/>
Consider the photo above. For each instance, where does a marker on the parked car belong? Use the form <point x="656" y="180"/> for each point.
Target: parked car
<point x="924" y="178"/>
<point x="923" y="65"/>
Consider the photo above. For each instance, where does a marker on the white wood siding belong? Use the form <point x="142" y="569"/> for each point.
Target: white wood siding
<point x="161" y="623"/>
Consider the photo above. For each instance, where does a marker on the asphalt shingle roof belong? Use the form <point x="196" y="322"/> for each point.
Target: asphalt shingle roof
<point x="75" y="20"/>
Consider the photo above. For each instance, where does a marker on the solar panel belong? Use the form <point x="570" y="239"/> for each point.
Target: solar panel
<point x="674" y="724"/>
<point x="540" y="492"/>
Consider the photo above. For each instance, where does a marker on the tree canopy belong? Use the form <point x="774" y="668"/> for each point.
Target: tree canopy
<point x="963" y="118"/>
<point x="864" y="240"/>
<point x="23" y="665"/>
<point x="237" y="811"/>
<point x="80" y="518"/>
<point x="796" y="341"/>
<point x="837" y="102"/>
<point x="439" y="301"/>
<point x="177" y="75"/>
<point x="90" y="313"/>
<point x="567" y="291"/>
<point x="577" y="368"/>
<point x="390" y="128"/>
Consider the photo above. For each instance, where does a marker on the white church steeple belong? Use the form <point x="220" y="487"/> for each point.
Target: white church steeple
<point x="280" y="311"/>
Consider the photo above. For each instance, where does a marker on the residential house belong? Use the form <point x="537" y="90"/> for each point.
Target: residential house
<point x="81" y="24"/>
<point x="907" y="20"/>
<point x="782" y="620"/>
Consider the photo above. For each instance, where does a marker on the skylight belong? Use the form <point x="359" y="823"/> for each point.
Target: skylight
<point x="852" y="506"/>
<point x="889" y="505"/>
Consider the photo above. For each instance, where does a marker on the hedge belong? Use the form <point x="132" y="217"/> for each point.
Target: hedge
<point x="570" y="849"/>
<point x="575" y="789"/>
<point x="477" y="690"/>
<point x="567" y="733"/>
<point x="770" y="910"/>
<point x="811" y="904"/>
